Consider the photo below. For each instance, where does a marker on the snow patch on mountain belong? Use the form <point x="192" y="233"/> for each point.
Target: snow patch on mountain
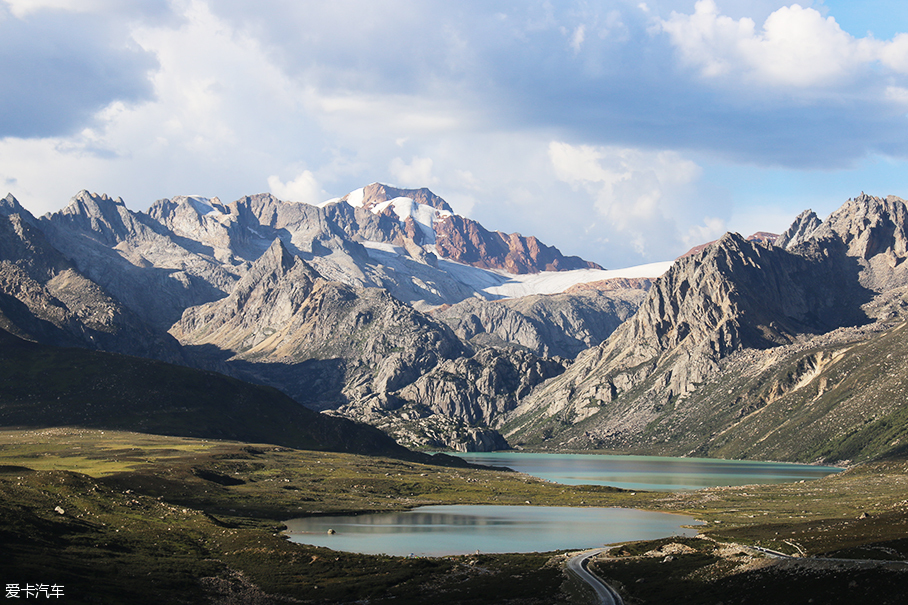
<point x="554" y="282"/>
<point x="202" y="205"/>
<point x="384" y="247"/>
<point x="355" y="198"/>
<point x="424" y="216"/>
<point x="495" y="284"/>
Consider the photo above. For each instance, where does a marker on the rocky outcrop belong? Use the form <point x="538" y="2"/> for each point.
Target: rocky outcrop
<point x="560" y="325"/>
<point x="324" y="343"/>
<point x="202" y="225"/>
<point x="800" y="230"/>
<point x="481" y="388"/>
<point x="414" y="427"/>
<point x="762" y="237"/>
<point x="458" y="403"/>
<point x="873" y="232"/>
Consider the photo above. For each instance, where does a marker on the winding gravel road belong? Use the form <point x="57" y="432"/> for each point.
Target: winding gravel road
<point x="605" y="594"/>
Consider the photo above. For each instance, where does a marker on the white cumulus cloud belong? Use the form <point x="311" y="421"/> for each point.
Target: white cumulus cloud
<point x="578" y="37"/>
<point x="418" y="173"/>
<point x="649" y="201"/>
<point x="304" y="188"/>
<point x="796" y="47"/>
<point x="630" y="184"/>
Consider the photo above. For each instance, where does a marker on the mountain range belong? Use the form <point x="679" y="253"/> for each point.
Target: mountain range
<point x="385" y="307"/>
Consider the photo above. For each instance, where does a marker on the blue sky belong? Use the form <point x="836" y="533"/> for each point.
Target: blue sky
<point x="620" y="131"/>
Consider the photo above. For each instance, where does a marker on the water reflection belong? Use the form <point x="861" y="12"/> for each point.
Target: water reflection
<point x="649" y="472"/>
<point x="460" y="529"/>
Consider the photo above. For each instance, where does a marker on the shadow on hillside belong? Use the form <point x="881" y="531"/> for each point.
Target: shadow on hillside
<point x="834" y="289"/>
<point x="315" y="383"/>
<point x="812" y="290"/>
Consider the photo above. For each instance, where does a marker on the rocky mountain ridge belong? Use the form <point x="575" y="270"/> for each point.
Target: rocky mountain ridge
<point x="763" y="237"/>
<point x="43" y="296"/>
<point x="330" y="304"/>
<point x="322" y="302"/>
<point x="333" y="338"/>
<point x="671" y="377"/>
<point x="554" y="325"/>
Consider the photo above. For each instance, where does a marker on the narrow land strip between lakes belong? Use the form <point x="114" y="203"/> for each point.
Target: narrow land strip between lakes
<point x="605" y="594"/>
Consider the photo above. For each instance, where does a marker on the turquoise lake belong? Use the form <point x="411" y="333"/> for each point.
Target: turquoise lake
<point x="463" y="529"/>
<point x="649" y="472"/>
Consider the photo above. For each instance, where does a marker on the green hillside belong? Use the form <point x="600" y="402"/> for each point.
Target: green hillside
<point x="45" y="386"/>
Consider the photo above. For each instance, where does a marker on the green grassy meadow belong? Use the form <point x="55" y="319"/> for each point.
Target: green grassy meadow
<point x="152" y="519"/>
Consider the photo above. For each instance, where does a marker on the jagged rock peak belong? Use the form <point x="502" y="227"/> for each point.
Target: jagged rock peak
<point x="277" y="255"/>
<point x="10" y="205"/>
<point x="466" y="241"/>
<point x="763" y="237"/>
<point x="271" y="291"/>
<point x="162" y="210"/>
<point x="86" y="201"/>
<point x="734" y="294"/>
<point x="800" y="230"/>
<point x="275" y="264"/>
<point x="868" y="226"/>
<point x="99" y="216"/>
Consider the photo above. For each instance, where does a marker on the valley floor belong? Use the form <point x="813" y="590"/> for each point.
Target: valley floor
<point x="116" y="517"/>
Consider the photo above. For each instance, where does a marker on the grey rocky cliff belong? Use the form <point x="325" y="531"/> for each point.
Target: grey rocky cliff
<point x="873" y="232"/>
<point x="555" y="325"/>
<point x="322" y="342"/>
<point x="459" y="403"/>
<point x="481" y="388"/>
<point x="130" y="255"/>
<point x="204" y="226"/>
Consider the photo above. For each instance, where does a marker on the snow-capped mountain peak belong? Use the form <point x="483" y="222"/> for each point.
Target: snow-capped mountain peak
<point x="424" y="216"/>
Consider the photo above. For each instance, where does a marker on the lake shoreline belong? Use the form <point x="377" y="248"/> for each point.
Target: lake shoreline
<point x="448" y="530"/>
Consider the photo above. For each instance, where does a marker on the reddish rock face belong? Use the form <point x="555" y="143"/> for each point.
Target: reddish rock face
<point x="462" y="240"/>
<point x="412" y="230"/>
<point x="468" y="242"/>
